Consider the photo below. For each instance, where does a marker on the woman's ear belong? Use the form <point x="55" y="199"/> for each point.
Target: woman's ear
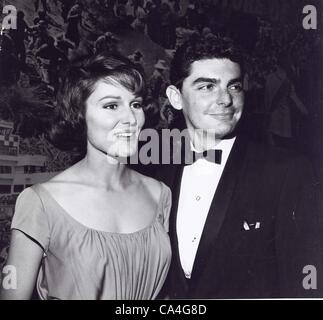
<point x="174" y="97"/>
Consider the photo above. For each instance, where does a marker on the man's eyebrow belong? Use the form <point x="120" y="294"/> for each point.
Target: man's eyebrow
<point x="232" y="81"/>
<point x="203" y="80"/>
<point x="215" y="80"/>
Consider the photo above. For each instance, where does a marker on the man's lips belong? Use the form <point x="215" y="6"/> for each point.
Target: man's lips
<point x="223" y="115"/>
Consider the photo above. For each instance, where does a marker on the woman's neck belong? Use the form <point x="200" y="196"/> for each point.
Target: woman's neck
<point x="104" y="171"/>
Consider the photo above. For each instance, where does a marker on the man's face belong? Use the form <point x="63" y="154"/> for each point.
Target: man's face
<point x="212" y="96"/>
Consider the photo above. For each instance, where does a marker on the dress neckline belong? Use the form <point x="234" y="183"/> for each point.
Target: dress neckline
<point x="80" y="224"/>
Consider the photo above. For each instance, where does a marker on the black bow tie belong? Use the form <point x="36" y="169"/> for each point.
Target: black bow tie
<point x="209" y="155"/>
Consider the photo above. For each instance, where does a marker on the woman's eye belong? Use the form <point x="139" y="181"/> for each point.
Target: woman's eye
<point x="137" y="105"/>
<point x="110" y="106"/>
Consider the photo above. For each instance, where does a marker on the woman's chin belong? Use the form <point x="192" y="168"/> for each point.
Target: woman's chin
<point x="121" y="156"/>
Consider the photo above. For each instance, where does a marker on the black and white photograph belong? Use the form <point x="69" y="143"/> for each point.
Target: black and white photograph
<point x="161" y="150"/>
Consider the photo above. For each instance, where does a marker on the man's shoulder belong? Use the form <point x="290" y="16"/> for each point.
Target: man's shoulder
<point x="278" y="158"/>
<point x="281" y="154"/>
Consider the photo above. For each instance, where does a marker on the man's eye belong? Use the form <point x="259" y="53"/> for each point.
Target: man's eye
<point x="237" y="87"/>
<point x="137" y="105"/>
<point x="207" y="87"/>
<point x="110" y="106"/>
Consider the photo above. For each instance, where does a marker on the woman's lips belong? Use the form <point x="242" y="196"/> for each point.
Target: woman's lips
<point x="126" y="135"/>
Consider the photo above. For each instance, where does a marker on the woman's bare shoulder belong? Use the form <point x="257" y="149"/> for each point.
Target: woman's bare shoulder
<point x="62" y="181"/>
<point x="153" y="186"/>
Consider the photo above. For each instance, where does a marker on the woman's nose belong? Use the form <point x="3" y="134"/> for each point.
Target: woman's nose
<point x="130" y="117"/>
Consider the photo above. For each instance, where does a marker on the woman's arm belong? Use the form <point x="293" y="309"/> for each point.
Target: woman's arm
<point x="23" y="260"/>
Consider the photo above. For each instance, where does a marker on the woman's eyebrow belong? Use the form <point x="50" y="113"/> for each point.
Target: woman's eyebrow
<point x="110" y="97"/>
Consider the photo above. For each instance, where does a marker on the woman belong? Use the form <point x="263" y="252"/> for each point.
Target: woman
<point x="74" y="19"/>
<point x="98" y="230"/>
<point x="139" y="23"/>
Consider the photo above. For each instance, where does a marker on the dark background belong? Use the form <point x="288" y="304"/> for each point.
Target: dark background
<point x="271" y="33"/>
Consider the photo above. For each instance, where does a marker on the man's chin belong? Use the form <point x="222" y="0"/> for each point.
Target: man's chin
<point x="221" y="131"/>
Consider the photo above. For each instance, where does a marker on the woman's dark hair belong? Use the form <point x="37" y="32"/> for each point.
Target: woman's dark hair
<point x="69" y="131"/>
<point x="200" y="48"/>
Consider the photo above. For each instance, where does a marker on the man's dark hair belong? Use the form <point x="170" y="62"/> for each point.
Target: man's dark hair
<point x="201" y="48"/>
<point x="69" y="131"/>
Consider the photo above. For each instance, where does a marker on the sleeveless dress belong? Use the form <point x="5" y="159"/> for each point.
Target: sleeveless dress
<point x="84" y="263"/>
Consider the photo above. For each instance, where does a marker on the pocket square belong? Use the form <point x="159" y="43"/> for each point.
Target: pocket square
<point x="250" y="226"/>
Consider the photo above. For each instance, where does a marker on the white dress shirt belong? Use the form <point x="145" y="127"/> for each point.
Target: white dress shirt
<point x="198" y="186"/>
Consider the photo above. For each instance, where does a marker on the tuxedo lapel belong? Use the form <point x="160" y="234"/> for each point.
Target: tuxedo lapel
<point x="219" y="206"/>
<point x="177" y="273"/>
<point x="172" y="176"/>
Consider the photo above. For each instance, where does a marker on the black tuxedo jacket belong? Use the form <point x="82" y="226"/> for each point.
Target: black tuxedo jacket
<point x="259" y="184"/>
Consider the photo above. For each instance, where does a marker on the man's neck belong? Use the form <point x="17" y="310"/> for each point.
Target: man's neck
<point x="202" y="140"/>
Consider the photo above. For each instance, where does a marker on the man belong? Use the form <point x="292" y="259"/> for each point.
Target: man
<point x="157" y="82"/>
<point x="240" y="226"/>
<point x="50" y="60"/>
<point x="44" y="3"/>
<point x="138" y="59"/>
<point x="19" y="35"/>
<point x="106" y="42"/>
<point x="9" y="66"/>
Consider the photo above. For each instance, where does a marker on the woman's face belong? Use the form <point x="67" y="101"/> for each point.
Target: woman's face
<point x="114" y="118"/>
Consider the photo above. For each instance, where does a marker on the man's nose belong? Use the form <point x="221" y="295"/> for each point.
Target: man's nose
<point x="224" y="97"/>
